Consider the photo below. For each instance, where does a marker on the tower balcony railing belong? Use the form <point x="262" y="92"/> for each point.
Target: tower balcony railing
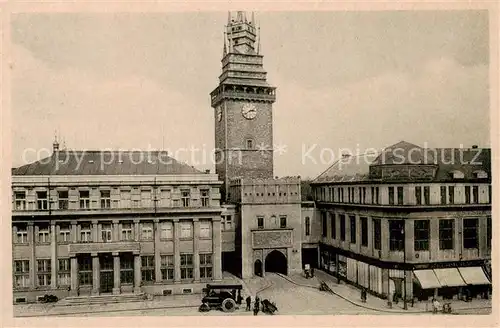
<point x="243" y="96"/>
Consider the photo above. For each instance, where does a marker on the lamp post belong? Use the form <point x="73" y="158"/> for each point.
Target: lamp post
<point x="405" y="306"/>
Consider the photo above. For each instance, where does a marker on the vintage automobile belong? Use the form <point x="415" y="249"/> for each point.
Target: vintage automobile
<point x="224" y="297"/>
<point x="269" y="307"/>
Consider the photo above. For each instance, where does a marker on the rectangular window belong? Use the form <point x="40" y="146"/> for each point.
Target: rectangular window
<point x="148" y="267"/>
<point x="489" y="194"/>
<point x="22" y="234"/>
<point x="475" y="194"/>
<point x="373" y="195"/>
<point x="377" y="231"/>
<point x="186" y="266"/>
<point x="418" y="195"/>
<point x="446" y="233"/>
<point x="125" y="201"/>
<point x="260" y="222"/>
<point x="21" y="273"/>
<point x="205" y="197"/>
<point x="228" y="223"/>
<point x="64" y="233"/>
<point x="451" y="195"/>
<point x="185" y="197"/>
<point x="467" y="194"/>
<point x="105" y="199"/>
<point x="391" y="195"/>
<point x="427" y="195"/>
<point x="342" y="227"/>
<point x="127" y="269"/>
<point x="19" y="200"/>
<point x="106" y="232"/>
<point x="282" y="221"/>
<point x="127" y="231"/>
<point x="396" y="235"/>
<point x="364" y="231"/>
<point x="443" y="195"/>
<point x="470" y="233"/>
<point x="167" y="267"/>
<point x="85" y="271"/>
<point x="63" y="199"/>
<point x="43" y="234"/>
<point x="363" y="196"/>
<point x="42" y="200"/>
<point x="400" y="196"/>
<point x="249" y="144"/>
<point x="324" y="223"/>
<point x="84" y="199"/>
<point x="43" y="270"/>
<point x="64" y="272"/>
<point x="205" y="229"/>
<point x="308" y="226"/>
<point x="146" y="198"/>
<point x="205" y="266"/>
<point x="488" y="232"/>
<point x="421" y="232"/>
<point x="147" y="231"/>
<point x="352" y="220"/>
<point x="186" y="230"/>
<point x="333" y="228"/>
<point x="166" y="230"/>
<point x="85" y="233"/>
<point x="339" y="198"/>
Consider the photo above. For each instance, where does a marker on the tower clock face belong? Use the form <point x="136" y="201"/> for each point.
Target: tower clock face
<point x="249" y="111"/>
<point x="219" y="113"/>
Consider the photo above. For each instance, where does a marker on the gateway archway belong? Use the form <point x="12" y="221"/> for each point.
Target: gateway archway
<point x="276" y="262"/>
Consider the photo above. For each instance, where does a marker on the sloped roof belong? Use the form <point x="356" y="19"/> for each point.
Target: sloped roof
<point x="404" y="153"/>
<point x="347" y="169"/>
<point x="106" y="163"/>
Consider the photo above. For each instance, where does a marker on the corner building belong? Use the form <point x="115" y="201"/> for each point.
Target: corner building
<point x="410" y="216"/>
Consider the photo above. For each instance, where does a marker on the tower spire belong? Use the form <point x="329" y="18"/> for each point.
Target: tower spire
<point x="258" y="40"/>
<point x="228" y="18"/>
<point x="253" y="18"/>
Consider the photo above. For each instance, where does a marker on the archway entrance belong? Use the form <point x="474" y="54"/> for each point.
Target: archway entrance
<point x="276" y="262"/>
<point x="257" y="268"/>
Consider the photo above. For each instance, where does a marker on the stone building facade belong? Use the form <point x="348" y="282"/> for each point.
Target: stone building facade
<point x="84" y="224"/>
<point x="425" y="221"/>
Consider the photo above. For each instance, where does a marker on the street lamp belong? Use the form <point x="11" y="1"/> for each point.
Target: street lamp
<point x="405" y="306"/>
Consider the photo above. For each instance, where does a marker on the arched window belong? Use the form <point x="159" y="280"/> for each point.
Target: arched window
<point x="249" y="144"/>
<point x="308" y="226"/>
<point x="456" y="174"/>
<point x="480" y="174"/>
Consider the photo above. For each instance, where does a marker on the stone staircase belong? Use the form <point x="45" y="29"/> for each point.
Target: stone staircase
<point x="101" y="299"/>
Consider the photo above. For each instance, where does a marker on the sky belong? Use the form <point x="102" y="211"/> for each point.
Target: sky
<point x="345" y="80"/>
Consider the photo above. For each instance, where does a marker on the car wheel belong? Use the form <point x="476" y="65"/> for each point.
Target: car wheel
<point x="228" y="305"/>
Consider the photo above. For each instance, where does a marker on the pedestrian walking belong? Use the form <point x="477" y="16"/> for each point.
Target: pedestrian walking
<point x="256" y="306"/>
<point x="435" y="305"/>
<point x="249" y="302"/>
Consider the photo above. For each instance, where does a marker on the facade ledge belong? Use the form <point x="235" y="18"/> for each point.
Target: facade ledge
<point x="109" y="247"/>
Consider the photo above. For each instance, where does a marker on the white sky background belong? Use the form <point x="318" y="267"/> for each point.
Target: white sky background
<point x="345" y="80"/>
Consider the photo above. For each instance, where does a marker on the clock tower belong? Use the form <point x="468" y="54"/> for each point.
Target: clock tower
<point x="242" y="104"/>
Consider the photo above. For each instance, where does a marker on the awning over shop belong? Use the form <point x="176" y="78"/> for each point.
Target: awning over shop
<point x="449" y="277"/>
<point x="427" y="279"/>
<point x="474" y="276"/>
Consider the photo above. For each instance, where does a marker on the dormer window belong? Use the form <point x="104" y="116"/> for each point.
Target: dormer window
<point x="457" y="174"/>
<point x="480" y="174"/>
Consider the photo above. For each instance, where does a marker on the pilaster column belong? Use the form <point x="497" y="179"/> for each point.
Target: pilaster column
<point x="157" y="250"/>
<point x="116" y="231"/>
<point x="74" y="231"/>
<point x="177" y="253"/>
<point x="137" y="273"/>
<point x="434" y="238"/>
<point x="96" y="270"/>
<point x="384" y="240"/>
<point x="95" y="236"/>
<point x="53" y="255"/>
<point x="116" y="273"/>
<point x="217" y="256"/>
<point x="481" y="235"/>
<point x="74" y="276"/>
<point x="32" y="241"/>
<point x="409" y="238"/>
<point x="196" y="249"/>
<point x="370" y="235"/>
<point x="136" y="230"/>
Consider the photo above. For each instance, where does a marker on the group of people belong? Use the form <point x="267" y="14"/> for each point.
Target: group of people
<point x="256" y="305"/>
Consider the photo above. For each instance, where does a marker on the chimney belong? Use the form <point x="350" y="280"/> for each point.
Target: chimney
<point x="55" y="146"/>
<point x="474" y="146"/>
